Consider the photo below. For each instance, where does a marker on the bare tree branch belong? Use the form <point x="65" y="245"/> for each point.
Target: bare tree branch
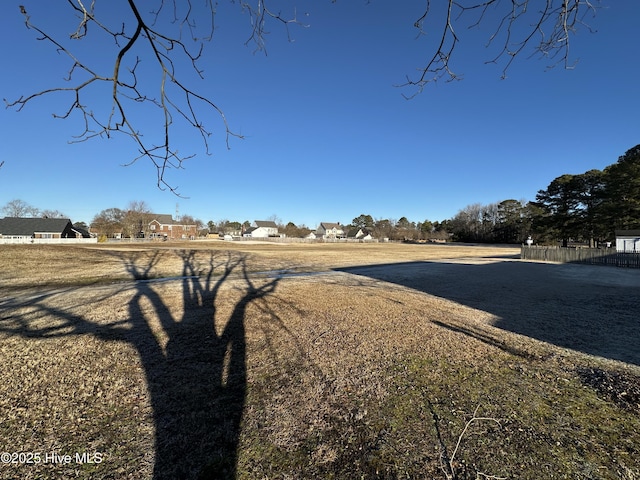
<point x="153" y="39"/>
<point x="175" y="31"/>
<point x="259" y="14"/>
<point x="545" y="27"/>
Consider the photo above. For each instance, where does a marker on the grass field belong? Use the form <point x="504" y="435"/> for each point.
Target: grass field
<point x="346" y="361"/>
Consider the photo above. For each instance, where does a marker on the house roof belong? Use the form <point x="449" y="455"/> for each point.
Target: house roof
<point x="163" y="218"/>
<point x="28" y="226"/>
<point x="329" y="226"/>
<point x="166" y="219"/>
<point x="82" y="231"/>
<point x="627" y="233"/>
<point x="266" y="224"/>
<point x="358" y="232"/>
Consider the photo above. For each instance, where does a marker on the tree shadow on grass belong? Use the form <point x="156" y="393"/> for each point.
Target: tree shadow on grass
<point x="197" y="378"/>
<point x="590" y="309"/>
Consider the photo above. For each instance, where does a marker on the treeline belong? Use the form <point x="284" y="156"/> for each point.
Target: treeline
<point x="591" y="206"/>
<point x="509" y="221"/>
<point x="401" y="229"/>
<point x="584" y="208"/>
<point x="132" y="221"/>
<point x="20" y="208"/>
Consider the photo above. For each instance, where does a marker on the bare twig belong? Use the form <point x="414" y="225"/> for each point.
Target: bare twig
<point x="448" y="462"/>
<point x="158" y="37"/>
<point x="545" y="27"/>
<point x="175" y="33"/>
<point x="481" y="476"/>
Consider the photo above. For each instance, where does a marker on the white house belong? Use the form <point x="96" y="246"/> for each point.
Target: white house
<point x="262" y="229"/>
<point x="330" y="230"/>
<point x="359" y="234"/>
<point x="628" y="241"/>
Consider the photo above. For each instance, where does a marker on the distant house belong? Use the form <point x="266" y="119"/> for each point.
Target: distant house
<point x="330" y="230"/>
<point x="248" y="232"/>
<point x="628" y="241"/>
<point x="164" y="226"/>
<point x="83" y="232"/>
<point x="17" y="228"/>
<point x="359" y="234"/>
<point x="261" y="229"/>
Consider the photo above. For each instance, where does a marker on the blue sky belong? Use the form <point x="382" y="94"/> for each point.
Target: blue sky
<point x="327" y="134"/>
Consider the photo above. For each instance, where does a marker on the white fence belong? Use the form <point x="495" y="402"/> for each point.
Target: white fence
<point x="303" y="240"/>
<point x="26" y="240"/>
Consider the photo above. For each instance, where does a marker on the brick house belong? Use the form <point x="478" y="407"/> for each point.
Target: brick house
<point x="164" y="226"/>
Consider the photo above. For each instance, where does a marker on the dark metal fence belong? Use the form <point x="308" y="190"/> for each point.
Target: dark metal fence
<point x="590" y="256"/>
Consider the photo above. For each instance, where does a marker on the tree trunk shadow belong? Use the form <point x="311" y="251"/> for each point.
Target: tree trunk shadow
<point x="198" y="384"/>
<point x="196" y="377"/>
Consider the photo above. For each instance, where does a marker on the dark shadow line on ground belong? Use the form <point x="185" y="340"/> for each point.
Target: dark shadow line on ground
<point x="553" y="303"/>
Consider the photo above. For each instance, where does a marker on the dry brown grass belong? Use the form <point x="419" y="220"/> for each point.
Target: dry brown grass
<point x="43" y="265"/>
<point x="332" y="375"/>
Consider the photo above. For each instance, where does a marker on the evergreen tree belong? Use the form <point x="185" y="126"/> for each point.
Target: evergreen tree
<point x="622" y="191"/>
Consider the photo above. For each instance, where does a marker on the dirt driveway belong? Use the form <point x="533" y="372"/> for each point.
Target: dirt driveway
<point x="591" y="309"/>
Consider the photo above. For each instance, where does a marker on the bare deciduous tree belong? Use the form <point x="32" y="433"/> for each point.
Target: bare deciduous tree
<point x="136" y="218"/>
<point x="109" y="222"/>
<point x="51" y="213"/>
<point x="19" y="208"/>
<point x="175" y="32"/>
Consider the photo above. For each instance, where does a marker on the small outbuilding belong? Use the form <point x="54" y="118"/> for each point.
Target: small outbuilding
<point x="628" y="241"/>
